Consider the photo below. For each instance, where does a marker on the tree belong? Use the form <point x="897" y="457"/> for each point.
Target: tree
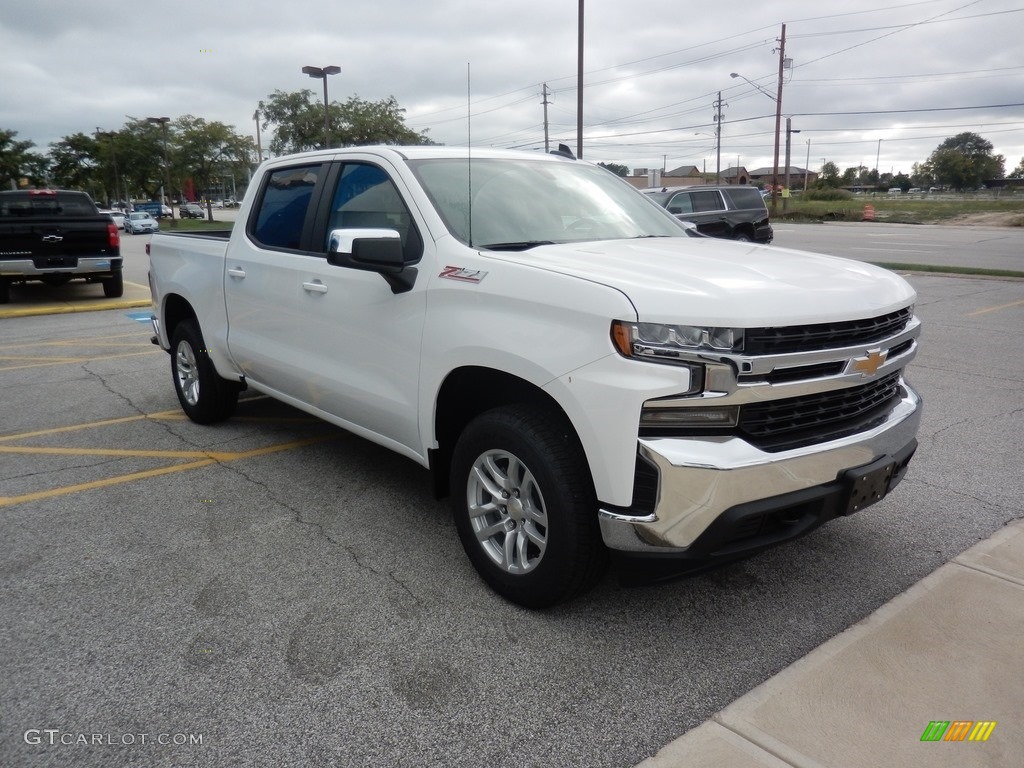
<point x="17" y="162"/>
<point x="140" y="157"/>
<point x="1018" y="172"/>
<point x="75" y="164"/>
<point x="206" y="151"/>
<point x="921" y="175"/>
<point x="829" y="176"/>
<point x="616" y="168"/>
<point x="298" y="122"/>
<point x="964" y="161"/>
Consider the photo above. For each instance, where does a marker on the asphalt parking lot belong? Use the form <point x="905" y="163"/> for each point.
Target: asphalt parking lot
<point x="274" y="591"/>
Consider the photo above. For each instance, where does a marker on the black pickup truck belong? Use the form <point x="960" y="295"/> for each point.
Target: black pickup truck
<point x="55" y="236"/>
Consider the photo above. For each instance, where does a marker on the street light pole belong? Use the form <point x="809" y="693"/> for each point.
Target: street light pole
<point x="789" y="132"/>
<point x="162" y="122"/>
<point x="259" y="147"/>
<point x="321" y="73"/>
<point x="579" y="81"/>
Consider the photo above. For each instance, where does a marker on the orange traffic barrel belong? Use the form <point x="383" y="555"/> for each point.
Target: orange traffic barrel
<point x="869" y="213"/>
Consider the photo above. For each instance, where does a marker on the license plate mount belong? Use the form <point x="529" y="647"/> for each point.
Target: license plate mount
<point x="869" y="484"/>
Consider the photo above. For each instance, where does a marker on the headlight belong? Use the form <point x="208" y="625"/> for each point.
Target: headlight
<point x="666" y="343"/>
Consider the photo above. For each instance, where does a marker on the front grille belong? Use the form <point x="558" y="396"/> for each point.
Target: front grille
<point x="810" y="338"/>
<point x="783" y="424"/>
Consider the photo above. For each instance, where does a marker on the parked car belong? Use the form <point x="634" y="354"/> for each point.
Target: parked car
<point x="731" y="212"/>
<point x="191" y="211"/>
<point x="140" y="221"/>
<point x="165" y="210"/>
<point x="117" y="217"/>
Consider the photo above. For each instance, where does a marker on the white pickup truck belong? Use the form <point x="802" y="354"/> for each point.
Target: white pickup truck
<point x="579" y="372"/>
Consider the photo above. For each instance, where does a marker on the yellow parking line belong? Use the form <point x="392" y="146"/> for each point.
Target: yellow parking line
<point x="995" y="309"/>
<point x="45" y="361"/>
<point x="70" y="342"/>
<point x="36" y="357"/>
<point x="6" y="501"/>
<point x="89" y="424"/>
<point x="118" y="479"/>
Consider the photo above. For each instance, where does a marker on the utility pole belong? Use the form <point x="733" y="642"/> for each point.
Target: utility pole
<point x="718" y="137"/>
<point x="545" y="92"/>
<point x="778" y="119"/>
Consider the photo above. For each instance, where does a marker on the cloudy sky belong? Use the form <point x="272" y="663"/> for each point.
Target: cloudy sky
<point x="886" y="80"/>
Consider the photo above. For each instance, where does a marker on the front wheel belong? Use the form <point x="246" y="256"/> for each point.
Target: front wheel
<point x="204" y="395"/>
<point x="525" y="508"/>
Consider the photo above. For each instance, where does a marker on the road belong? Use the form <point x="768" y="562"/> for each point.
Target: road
<point x="293" y="596"/>
<point x="934" y="245"/>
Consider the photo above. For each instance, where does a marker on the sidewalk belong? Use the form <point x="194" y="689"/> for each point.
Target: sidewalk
<point x="950" y="648"/>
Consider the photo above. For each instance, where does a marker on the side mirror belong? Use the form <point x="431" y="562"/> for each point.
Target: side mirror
<point x="372" y="250"/>
<point x="691" y="228"/>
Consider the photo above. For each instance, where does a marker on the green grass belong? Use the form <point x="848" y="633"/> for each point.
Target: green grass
<point x="897" y="267"/>
<point x="193" y="225"/>
<point x="898" y="210"/>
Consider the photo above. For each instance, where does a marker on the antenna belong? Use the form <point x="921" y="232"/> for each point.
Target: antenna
<point x="469" y="151"/>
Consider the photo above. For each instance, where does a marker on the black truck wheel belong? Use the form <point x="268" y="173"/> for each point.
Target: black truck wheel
<point x="204" y="396"/>
<point x="525" y="508"/>
<point x="113" y="287"/>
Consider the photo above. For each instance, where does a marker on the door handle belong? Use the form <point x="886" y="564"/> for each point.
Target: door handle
<point x="315" y="287"/>
<point x="237" y="272"/>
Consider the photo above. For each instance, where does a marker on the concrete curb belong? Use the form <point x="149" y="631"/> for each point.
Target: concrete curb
<point x="947" y="649"/>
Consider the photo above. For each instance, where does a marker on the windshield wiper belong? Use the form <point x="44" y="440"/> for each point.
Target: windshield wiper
<point x="521" y="246"/>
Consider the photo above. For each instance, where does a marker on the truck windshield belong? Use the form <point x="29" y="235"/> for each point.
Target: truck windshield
<point x="517" y="204"/>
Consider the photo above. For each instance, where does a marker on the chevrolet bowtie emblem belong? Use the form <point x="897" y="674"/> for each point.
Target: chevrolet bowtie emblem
<point x="869" y="365"/>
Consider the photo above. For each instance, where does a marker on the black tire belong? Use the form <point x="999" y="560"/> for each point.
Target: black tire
<point x="113" y="287"/>
<point x="205" y="397"/>
<point x="742" y="237"/>
<point x="540" y="544"/>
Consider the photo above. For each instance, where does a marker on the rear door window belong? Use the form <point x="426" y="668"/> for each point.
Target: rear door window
<point x="284" y="216"/>
<point x="706" y="201"/>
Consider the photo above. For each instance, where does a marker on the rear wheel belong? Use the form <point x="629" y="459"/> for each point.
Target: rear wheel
<point x="525" y="508"/>
<point x="204" y="395"/>
<point x="113" y="287"/>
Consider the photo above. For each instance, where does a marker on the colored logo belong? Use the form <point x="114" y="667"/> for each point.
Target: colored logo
<point x="958" y="730"/>
<point x="868" y="366"/>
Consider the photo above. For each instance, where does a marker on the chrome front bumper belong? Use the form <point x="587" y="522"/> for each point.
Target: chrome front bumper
<point x="704" y="479"/>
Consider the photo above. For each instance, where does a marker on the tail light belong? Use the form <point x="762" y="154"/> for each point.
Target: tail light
<point x="113" y="237"/>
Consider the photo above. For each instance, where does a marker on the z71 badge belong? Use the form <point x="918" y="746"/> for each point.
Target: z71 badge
<point x="463" y="274"/>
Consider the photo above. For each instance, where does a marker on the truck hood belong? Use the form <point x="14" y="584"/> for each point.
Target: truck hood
<point x="719" y="282"/>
